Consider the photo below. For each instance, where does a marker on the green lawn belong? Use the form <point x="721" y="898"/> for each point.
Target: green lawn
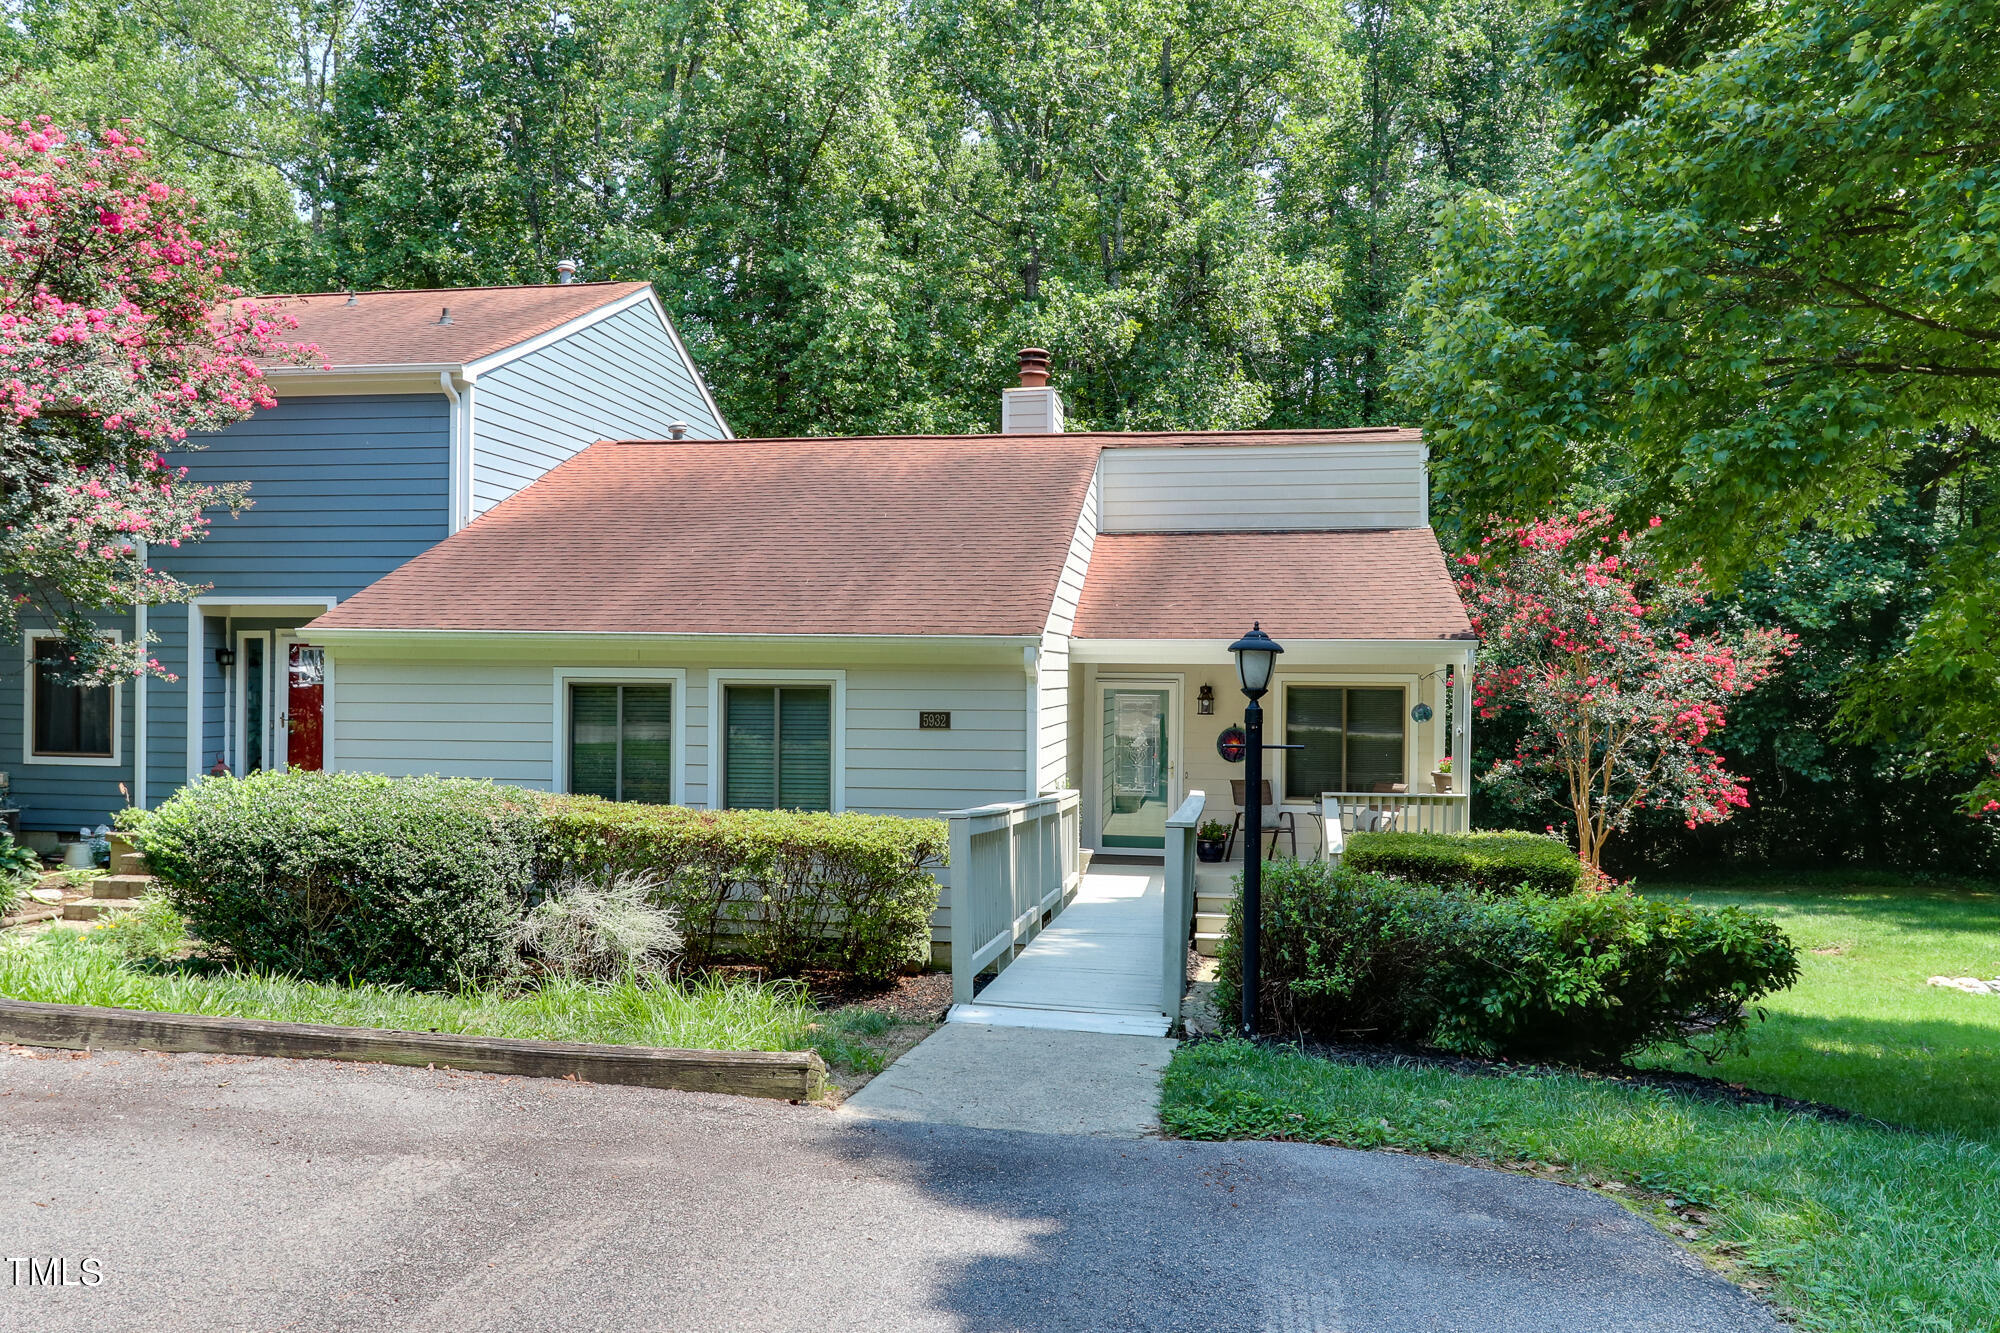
<point x="1861" y="1029"/>
<point x="1858" y="1227"/>
<point x="85" y="967"/>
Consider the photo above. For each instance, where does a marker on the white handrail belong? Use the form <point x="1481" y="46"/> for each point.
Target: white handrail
<point x="1014" y="867"/>
<point x="1178" y="909"/>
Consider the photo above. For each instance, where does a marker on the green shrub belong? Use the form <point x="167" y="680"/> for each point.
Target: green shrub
<point x="1581" y="978"/>
<point x="20" y="868"/>
<point x="789" y="890"/>
<point x="339" y="876"/>
<point x="1494" y="862"/>
<point x="598" y="930"/>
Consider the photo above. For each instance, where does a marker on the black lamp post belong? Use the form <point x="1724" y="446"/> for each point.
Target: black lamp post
<point x="1256" y="654"/>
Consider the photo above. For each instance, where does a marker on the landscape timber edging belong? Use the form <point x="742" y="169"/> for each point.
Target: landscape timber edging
<point x="789" y="1075"/>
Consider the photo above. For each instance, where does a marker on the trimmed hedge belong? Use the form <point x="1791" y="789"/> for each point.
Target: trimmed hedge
<point x="790" y="890"/>
<point x="1493" y="862"/>
<point x="348" y="876"/>
<point x="1581" y="978"/>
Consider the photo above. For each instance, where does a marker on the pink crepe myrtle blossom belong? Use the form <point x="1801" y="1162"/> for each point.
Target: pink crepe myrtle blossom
<point x="1618" y="705"/>
<point x="118" y="339"/>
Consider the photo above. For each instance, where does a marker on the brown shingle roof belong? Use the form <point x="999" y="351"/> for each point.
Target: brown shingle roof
<point x="401" y="327"/>
<point x="1301" y="585"/>
<point x="951" y="535"/>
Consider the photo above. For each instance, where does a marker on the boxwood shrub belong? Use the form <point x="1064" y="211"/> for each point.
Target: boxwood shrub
<point x="332" y="876"/>
<point x="787" y="889"/>
<point x="1577" y="978"/>
<point x="1495" y="862"/>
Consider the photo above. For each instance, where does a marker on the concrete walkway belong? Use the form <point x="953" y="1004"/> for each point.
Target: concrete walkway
<point x="1095" y="969"/>
<point x="1036" y="1079"/>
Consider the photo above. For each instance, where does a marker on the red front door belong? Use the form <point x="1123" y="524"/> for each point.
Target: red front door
<point x="305" y="707"/>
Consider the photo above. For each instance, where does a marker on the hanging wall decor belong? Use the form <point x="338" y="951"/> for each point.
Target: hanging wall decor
<point x="1421" y="713"/>
<point x="1232" y="744"/>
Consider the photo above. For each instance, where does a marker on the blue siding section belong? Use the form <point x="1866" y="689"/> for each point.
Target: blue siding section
<point x="344" y="488"/>
<point x="620" y="379"/>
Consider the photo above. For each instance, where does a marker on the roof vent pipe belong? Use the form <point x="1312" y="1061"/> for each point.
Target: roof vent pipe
<point x="352" y="299"/>
<point x="1034" y="408"/>
<point x="678" y="429"/>
<point x="445" y="318"/>
<point x="566" y="272"/>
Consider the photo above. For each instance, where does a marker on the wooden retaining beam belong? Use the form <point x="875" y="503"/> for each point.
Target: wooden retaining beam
<point x="789" y="1075"/>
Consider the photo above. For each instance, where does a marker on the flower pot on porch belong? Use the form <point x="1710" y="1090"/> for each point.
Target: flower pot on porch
<point x="1210" y="849"/>
<point x="1441" y="781"/>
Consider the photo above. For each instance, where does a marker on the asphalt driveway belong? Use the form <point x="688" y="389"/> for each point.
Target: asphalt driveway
<point x="238" y="1194"/>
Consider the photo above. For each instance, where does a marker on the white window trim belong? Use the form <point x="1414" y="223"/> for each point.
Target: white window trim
<point x="28" y="755"/>
<point x="1283" y="682"/>
<point x="674" y="676"/>
<point x="718" y="730"/>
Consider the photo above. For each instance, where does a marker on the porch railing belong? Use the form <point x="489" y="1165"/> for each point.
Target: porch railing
<point x="1013" y="866"/>
<point x="1402" y="812"/>
<point x="1178" y="909"/>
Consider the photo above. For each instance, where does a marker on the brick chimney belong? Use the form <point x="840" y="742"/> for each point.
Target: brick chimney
<point x="1034" y="408"/>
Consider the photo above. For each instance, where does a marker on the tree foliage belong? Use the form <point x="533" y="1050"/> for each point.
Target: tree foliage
<point x="117" y="338"/>
<point x="1584" y="644"/>
<point x="1765" y="279"/>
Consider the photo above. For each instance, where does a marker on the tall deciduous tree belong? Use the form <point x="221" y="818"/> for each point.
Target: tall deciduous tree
<point x="1767" y="276"/>
<point x="118" y="336"/>
<point x="1616" y="705"/>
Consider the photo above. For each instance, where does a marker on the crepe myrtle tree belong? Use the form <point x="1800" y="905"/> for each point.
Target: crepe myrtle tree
<point x="118" y="336"/>
<point x="1616" y="705"/>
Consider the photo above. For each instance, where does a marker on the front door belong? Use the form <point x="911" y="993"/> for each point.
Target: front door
<point x="305" y="706"/>
<point x="1137" y="790"/>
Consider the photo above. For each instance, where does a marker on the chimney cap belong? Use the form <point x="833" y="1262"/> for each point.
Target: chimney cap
<point x="566" y="271"/>
<point x="1034" y="367"/>
<point x="677" y="429"/>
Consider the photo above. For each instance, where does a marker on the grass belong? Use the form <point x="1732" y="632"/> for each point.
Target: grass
<point x="1861" y="1029"/>
<point x="1858" y="1227"/>
<point x="89" y="967"/>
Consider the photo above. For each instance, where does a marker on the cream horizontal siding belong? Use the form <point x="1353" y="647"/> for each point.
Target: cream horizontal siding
<point x="1275" y="487"/>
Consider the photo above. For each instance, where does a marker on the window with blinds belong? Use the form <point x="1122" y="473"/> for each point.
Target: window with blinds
<point x="1351" y="739"/>
<point x="621" y="742"/>
<point x="72" y="721"/>
<point x="778" y="747"/>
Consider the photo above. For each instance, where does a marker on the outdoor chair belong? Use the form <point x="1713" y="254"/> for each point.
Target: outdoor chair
<point x="1277" y="819"/>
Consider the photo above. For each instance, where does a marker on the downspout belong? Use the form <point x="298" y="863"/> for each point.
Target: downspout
<point x="456" y="479"/>
<point x="139" y="698"/>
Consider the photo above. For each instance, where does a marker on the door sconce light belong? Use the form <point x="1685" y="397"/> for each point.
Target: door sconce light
<point x="1204" y="700"/>
<point x="225" y="658"/>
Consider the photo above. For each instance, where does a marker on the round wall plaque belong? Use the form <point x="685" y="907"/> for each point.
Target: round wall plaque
<point x="1421" y="713"/>
<point x="1232" y="744"/>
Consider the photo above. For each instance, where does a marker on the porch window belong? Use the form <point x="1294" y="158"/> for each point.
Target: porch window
<point x="621" y="742"/>
<point x="71" y="721"/>
<point x="778" y="754"/>
<point x="1352" y="739"/>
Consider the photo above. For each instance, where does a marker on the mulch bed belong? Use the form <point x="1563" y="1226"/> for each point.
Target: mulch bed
<point x="921" y="997"/>
<point x="1684" y="1084"/>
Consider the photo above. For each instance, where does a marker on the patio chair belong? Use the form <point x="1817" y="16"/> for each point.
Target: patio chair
<point x="1277" y="819"/>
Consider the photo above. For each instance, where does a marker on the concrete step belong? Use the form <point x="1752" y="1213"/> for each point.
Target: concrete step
<point x="129" y="863"/>
<point x="1207" y="945"/>
<point x="91" y="909"/>
<point x="121" y="886"/>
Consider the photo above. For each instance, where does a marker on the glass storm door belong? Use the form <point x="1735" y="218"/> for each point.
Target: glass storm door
<point x="305" y="706"/>
<point x="1138" y="768"/>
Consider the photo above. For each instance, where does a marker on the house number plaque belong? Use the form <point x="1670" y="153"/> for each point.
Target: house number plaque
<point x="934" y="721"/>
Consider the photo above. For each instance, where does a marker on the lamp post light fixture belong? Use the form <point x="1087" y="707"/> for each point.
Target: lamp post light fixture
<point x="1256" y="655"/>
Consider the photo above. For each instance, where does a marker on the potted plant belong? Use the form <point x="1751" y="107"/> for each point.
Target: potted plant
<point x="1211" y="840"/>
<point x="1441" y="776"/>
